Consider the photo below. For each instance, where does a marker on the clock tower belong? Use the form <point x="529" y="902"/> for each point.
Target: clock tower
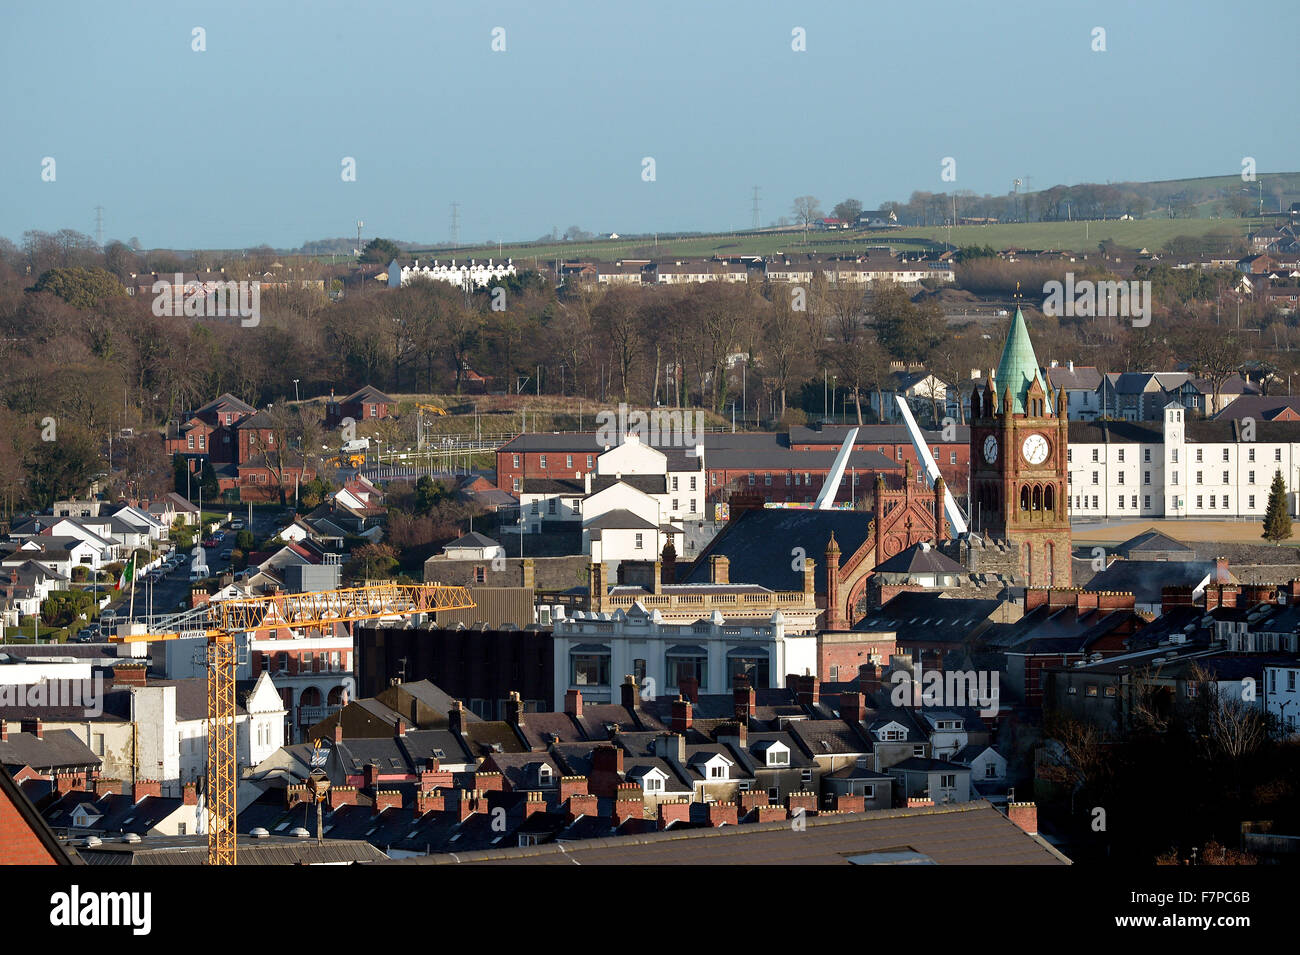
<point x="1019" y="476"/>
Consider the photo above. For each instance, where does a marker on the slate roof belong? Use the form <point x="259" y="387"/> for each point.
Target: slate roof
<point x="473" y="539"/>
<point x="972" y="833"/>
<point x="1153" y="542"/>
<point x="1145" y="579"/>
<point x="970" y="752"/>
<point x="647" y="483"/>
<point x="368" y="393"/>
<point x="56" y="750"/>
<point x="193" y="850"/>
<point x="827" y="738"/>
<point x="1055" y="630"/>
<point x="118" y="813"/>
<point x="931" y="617"/>
<point x="619" y="519"/>
<point x="233" y="403"/>
<point x="1259" y="407"/>
<point x="749" y="544"/>
<point x="921" y="559"/>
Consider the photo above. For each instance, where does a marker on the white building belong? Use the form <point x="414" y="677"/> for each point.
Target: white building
<point x="1282" y="698"/>
<point x="630" y="501"/>
<point x="594" y="652"/>
<point x="471" y="274"/>
<point x="1180" y="467"/>
<point x="172" y="729"/>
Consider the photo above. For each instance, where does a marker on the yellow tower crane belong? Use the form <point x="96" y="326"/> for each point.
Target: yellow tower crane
<point x="227" y="618"/>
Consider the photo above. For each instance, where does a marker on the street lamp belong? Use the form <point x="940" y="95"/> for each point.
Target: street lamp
<point x="295" y="389"/>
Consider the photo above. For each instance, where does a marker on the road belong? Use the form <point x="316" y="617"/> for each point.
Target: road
<point x="173" y="591"/>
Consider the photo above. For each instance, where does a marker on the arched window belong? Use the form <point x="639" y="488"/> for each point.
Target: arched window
<point x="1038" y="497"/>
<point x="1024" y="497"/>
<point x="309" y="697"/>
<point x="1049" y="498"/>
<point x="336" y="696"/>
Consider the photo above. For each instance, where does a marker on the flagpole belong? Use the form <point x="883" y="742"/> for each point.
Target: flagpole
<point x="131" y="611"/>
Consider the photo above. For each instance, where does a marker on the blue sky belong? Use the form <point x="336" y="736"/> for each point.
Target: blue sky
<point x="243" y="144"/>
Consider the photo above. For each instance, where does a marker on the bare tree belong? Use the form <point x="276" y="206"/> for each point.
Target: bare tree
<point x="805" y="209"/>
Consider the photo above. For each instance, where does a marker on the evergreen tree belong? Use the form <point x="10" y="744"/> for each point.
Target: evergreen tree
<point x="179" y="471"/>
<point x="211" y="490"/>
<point x="1277" y="521"/>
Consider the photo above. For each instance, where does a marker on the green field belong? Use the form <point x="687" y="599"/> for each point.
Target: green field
<point x="1074" y="236"/>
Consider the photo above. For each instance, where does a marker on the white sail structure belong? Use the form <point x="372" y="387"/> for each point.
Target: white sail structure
<point x="955" y="519"/>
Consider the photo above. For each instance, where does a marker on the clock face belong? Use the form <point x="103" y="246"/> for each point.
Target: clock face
<point x="1035" y="449"/>
<point x="990" y="449"/>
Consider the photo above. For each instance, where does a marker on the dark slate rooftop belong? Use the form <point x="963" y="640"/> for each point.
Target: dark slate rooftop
<point x="1153" y="542"/>
<point x="1145" y="579"/>
<point x="931" y="617"/>
<point x="921" y="559"/>
<point x="760" y="545"/>
<point x="57" y="749"/>
<point x="962" y="833"/>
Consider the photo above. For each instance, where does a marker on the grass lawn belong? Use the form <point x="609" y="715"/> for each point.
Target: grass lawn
<point x="1078" y="236"/>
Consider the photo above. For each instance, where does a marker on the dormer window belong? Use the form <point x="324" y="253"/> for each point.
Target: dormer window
<point x="544" y="775"/>
<point x="717" y="772"/>
<point x="778" y="758"/>
<point x="653" y="784"/>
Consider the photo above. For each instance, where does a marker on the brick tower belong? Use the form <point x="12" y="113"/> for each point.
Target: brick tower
<point x="1019" y="475"/>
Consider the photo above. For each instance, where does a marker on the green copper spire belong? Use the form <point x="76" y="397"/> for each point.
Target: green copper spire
<point x="1018" y="368"/>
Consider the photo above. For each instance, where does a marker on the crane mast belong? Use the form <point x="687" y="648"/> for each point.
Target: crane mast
<point x="228" y="618"/>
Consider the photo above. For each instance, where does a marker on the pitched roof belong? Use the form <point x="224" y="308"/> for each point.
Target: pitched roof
<point x="473" y="539"/>
<point x="369" y="394"/>
<point x="921" y="558"/>
<point x="235" y="404"/>
<point x="748" y="541"/>
<point x="56" y="749"/>
<point x="955" y="834"/>
<point x="1153" y="542"/>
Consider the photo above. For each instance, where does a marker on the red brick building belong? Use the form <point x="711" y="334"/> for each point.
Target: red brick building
<point x="25" y="839"/>
<point x="209" y="433"/>
<point x="365" y="404"/>
<point x="779" y="468"/>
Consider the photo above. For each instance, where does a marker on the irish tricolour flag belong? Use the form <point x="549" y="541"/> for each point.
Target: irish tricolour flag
<point x="128" y="575"/>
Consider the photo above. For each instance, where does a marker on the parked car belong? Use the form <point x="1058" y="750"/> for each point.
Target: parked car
<point x="199" y="571"/>
<point x="237" y="524"/>
<point x="226" y="554"/>
<point x="210" y="543"/>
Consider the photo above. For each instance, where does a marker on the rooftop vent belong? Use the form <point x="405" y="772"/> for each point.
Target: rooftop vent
<point x="259" y="833"/>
